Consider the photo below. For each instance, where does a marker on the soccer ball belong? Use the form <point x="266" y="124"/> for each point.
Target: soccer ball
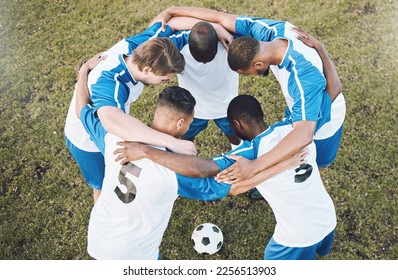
<point x="207" y="239"/>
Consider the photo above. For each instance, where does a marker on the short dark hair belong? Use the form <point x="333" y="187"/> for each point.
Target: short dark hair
<point x="203" y="42"/>
<point x="241" y="52"/>
<point x="178" y="99"/>
<point x="245" y="108"/>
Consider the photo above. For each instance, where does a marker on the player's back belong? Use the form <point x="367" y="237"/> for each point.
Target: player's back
<point x="213" y="84"/>
<point x="111" y="83"/>
<point x="303" y="209"/>
<point x="129" y="218"/>
<point x="309" y="53"/>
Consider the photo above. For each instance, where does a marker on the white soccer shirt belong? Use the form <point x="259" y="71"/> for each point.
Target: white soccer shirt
<point x="303" y="210"/>
<point x="213" y="84"/>
<point x="131" y="229"/>
<point x="110" y="84"/>
<point x="130" y="216"/>
<point x="300" y="75"/>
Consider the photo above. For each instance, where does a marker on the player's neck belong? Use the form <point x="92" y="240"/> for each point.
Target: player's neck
<point x="273" y="52"/>
<point x="256" y="129"/>
<point x="164" y="126"/>
<point x="133" y="68"/>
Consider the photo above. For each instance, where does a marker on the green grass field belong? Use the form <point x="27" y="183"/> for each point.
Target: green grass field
<point x="44" y="201"/>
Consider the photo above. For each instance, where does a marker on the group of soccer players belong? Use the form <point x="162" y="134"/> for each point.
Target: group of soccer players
<point x="135" y="185"/>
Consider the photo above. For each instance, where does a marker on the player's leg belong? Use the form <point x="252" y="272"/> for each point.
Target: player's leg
<point x="225" y="127"/>
<point x="195" y="128"/>
<point x="92" y="167"/>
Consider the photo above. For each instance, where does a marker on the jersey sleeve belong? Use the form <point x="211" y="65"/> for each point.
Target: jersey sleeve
<point x="180" y="38"/>
<point x="259" y="28"/>
<point x="109" y="91"/>
<point x="201" y="188"/>
<point x="306" y="85"/>
<point x="245" y="150"/>
<point x="209" y="188"/>
<point x="93" y="127"/>
<point x="307" y="108"/>
<point x="152" y="32"/>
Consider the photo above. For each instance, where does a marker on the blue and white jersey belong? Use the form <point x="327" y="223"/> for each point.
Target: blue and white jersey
<point x="110" y="84"/>
<point x="213" y="84"/>
<point x="300" y="74"/>
<point x="303" y="209"/>
<point x="129" y="218"/>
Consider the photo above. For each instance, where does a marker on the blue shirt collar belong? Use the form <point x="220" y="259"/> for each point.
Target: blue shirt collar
<point x="126" y="77"/>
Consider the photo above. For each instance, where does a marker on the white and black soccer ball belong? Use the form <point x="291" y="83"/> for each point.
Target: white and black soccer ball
<point x="207" y="239"/>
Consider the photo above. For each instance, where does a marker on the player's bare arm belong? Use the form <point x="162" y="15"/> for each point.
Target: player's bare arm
<point x="186" y="23"/>
<point x="82" y="95"/>
<point x="246" y="185"/>
<point x="127" y="127"/>
<point x="300" y="137"/>
<point x="333" y="83"/>
<point x="224" y="19"/>
<point x="186" y="165"/>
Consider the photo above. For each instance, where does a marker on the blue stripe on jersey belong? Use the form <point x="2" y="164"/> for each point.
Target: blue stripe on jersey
<point x="93" y="127"/>
<point x="256" y="141"/>
<point x="152" y="32"/>
<point x="266" y="29"/>
<point x="113" y="86"/>
<point x="300" y="88"/>
<point x="306" y="84"/>
<point x="210" y="189"/>
<point x="244" y="150"/>
<point x="125" y="76"/>
<point x="201" y="188"/>
<point x="247" y="149"/>
<point x="110" y="89"/>
<point x="180" y="38"/>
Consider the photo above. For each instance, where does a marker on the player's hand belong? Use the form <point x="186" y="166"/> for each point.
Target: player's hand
<point x="163" y="17"/>
<point x="298" y="159"/>
<point x="306" y="38"/>
<point x="90" y="63"/>
<point x="240" y="170"/>
<point x="223" y="35"/>
<point x="185" y="147"/>
<point x="130" y="151"/>
<point x="93" y="61"/>
<point x="87" y="64"/>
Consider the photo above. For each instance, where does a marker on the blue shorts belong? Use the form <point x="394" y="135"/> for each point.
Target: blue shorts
<point x="275" y="251"/>
<point x="91" y="164"/>
<point x="326" y="149"/>
<point x="199" y="125"/>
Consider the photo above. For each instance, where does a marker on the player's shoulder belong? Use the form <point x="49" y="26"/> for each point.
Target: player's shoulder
<point x="283" y="127"/>
<point x="274" y="132"/>
<point x="181" y="36"/>
<point x="285" y="123"/>
<point x="265" y="22"/>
